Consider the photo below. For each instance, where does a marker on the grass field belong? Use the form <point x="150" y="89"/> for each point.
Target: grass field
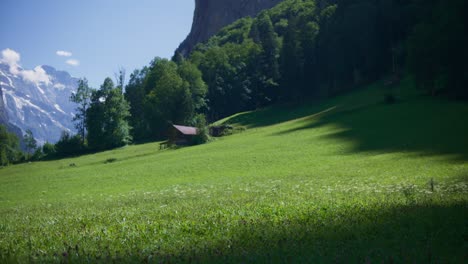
<point x="348" y="180"/>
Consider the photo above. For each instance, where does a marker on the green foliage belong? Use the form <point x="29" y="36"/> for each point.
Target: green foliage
<point x="235" y="33"/>
<point x="9" y="147"/>
<point x="168" y="97"/>
<point x="82" y="97"/>
<point x="135" y="95"/>
<point x="37" y="155"/>
<point x="197" y="87"/>
<point x="48" y="149"/>
<point x="106" y="118"/>
<point x="226" y="70"/>
<point x="69" y="145"/>
<point x="163" y="93"/>
<point x="281" y="26"/>
<point x="29" y="141"/>
<point x="292" y="63"/>
<point x="344" y="180"/>
<point x="202" y="130"/>
<point x="266" y="69"/>
<point x="297" y="51"/>
<point x="305" y="49"/>
<point x="437" y="49"/>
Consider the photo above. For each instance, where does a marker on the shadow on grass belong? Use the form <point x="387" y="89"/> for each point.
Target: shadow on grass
<point x="426" y="126"/>
<point x="272" y="115"/>
<point x="431" y="126"/>
<point x="291" y="111"/>
<point x="415" y="233"/>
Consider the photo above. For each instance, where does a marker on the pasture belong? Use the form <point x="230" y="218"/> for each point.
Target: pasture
<point x="351" y="179"/>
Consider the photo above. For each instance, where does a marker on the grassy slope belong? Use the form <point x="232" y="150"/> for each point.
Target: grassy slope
<point x="344" y="180"/>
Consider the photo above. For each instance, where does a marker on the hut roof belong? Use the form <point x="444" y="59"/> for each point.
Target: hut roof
<point x="190" y="131"/>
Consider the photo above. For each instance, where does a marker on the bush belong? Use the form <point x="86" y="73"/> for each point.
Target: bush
<point x="69" y="145"/>
<point x="37" y="155"/>
<point x="203" y="133"/>
<point x="226" y="130"/>
<point x="48" y="149"/>
<point x="110" y="160"/>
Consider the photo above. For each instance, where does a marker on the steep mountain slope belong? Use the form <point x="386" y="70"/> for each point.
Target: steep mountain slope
<point x="212" y="15"/>
<point x="42" y="106"/>
<point x="4" y="121"/>
<point x="3" y="114"/>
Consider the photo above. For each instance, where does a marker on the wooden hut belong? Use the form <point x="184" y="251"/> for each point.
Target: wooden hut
<point x="182" y="135"/>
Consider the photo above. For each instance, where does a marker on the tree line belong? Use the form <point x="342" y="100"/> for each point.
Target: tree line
<point x="298" y="51"/>
<point x="11" y="150"/>
<point x="310" y="50"/>
<point x="161" y="94"/>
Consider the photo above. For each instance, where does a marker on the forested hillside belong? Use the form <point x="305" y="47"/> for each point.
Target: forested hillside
<point x="306" y="50"/>
<point x="299" y="51"/>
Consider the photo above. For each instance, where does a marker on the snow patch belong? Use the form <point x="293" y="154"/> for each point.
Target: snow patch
<point x="59" y="109"/>
<point x="40" y="89"/>
<point x="4" y="98"/>
<point x="59" y="86"/>
<point x="8" y="78"/>
<point x="21" y="103"/>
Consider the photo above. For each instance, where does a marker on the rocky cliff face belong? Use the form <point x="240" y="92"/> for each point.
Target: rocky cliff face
<point x="212" y="15"/>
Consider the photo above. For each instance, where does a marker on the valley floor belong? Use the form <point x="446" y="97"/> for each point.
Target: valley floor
<point x="348" y="180"/>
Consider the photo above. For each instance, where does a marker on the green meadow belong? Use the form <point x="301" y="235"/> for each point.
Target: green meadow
<point x="347" y="180"/>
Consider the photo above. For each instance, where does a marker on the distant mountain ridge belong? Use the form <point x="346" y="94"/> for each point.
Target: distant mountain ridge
<point x="41" y="106"/>
<point x="212" y="15"/>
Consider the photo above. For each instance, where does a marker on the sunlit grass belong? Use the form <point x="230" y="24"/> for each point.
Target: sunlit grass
<point x="338" y="181"/>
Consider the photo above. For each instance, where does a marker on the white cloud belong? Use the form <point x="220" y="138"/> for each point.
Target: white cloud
<point x="11" y="58"/>
<point x="64" y="53"/>
<point x="73" y="62"/>
<point x="37" y="75"/>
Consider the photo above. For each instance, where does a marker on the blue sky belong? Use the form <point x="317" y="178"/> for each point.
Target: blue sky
<point x="97" y="37"/>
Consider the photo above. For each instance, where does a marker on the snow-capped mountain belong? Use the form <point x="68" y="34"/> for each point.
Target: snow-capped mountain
<point x="38" y="100"/>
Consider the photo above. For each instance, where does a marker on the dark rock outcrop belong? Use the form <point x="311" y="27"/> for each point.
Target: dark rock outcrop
<point x="212" y="15"/>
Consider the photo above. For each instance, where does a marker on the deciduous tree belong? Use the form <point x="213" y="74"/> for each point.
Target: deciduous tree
<point x="82" y="97"/>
